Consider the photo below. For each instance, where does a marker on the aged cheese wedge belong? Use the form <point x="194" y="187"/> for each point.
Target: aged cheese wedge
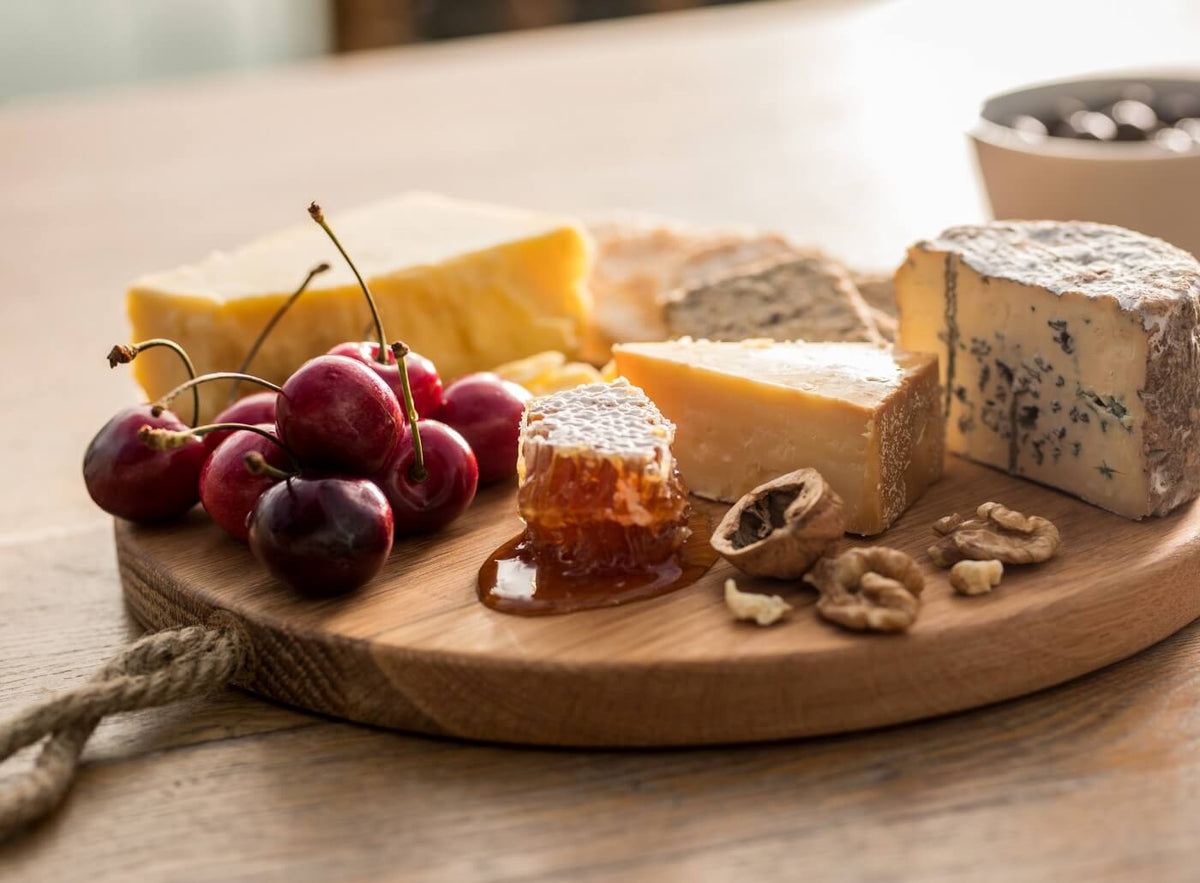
<point x="1070" y="355"/>
<point x="466" y="284"/>
<point x="868" y="419"/>
<point x="810" y="298"/>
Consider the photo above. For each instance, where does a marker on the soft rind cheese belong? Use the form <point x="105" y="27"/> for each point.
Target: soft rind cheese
<point x="865" y="417"/>
<point x="807" y="297"/>
<point x="641" y="261"/>
<point x="1070" y="355"/>
<point x="465" y="284"/>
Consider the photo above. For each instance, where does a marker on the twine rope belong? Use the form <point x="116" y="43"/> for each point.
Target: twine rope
<point x="158" y="669"/>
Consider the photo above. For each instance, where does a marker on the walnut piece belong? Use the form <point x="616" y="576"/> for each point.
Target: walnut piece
<point x="996" y="533"/>
<point x="876" y="589"/>
<point x="976" y="577"/>
<point x="782" y="527"/>
<point x="763" y="609"/>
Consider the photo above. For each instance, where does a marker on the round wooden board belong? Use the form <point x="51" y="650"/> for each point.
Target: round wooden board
<point x="415" y="650"/>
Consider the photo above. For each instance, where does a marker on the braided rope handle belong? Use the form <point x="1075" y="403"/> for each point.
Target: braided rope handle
<point x="158" y="669"/>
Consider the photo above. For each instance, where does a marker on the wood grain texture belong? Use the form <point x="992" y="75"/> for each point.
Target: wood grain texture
<point x="415" y="650"/>
<point x="839" y="122"/>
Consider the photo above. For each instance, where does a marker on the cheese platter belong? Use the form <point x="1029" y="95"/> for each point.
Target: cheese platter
<point x="834" y="508"/>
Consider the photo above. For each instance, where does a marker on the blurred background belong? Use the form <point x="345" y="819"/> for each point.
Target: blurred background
<point x="49" y="46"/>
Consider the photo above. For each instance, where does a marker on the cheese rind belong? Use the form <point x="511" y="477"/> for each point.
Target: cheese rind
<point x="1070" y="355"/>
<point x="868" y="419"/>
<point x="809" y="298"/>
<point x="467" y="285"/>
<point x="641" y="261"/>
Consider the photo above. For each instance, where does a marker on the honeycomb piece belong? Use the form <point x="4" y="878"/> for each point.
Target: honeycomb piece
<point x="598" y="483"/>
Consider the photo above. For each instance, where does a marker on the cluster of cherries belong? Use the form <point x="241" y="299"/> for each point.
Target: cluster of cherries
<point x="359" y="445"/>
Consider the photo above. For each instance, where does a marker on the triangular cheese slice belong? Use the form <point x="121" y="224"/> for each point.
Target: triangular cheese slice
<point x="865" y="417"/>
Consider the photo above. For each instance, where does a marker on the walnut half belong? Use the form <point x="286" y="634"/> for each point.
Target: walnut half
<point x="996" y="533"/>
<point x="876" y="589"/>
<point x="782" y="527"/>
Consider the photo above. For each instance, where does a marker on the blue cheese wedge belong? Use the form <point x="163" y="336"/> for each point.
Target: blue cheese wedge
<point x="1069" y="354"/>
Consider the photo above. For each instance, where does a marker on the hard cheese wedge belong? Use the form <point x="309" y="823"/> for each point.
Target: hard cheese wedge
<point x="1070" y="355"/>
<point x="468" y="285"/>
<point x="868" y="419"/>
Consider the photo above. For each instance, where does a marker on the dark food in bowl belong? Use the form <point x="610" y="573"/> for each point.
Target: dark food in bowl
<point x="1136" y="113"/>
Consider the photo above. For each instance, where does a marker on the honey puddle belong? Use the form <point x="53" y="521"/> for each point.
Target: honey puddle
<point x="512" y="580"/>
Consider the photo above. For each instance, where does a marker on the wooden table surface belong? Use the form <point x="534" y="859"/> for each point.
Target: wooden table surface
<point x="837" y="122"/>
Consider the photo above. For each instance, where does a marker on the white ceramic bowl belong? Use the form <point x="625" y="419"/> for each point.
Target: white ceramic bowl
<point x="1140" y="185"/>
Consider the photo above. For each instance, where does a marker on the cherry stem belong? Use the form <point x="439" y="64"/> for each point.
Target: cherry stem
<point x="417" y="472"/>
<point x="270" y="326"/>
<point x="315" y="213"/>
<point x="256" y="464"/>
<point x="123" y="354"/>
<point x="167" y="439"/>
<point x="158" y="406"/>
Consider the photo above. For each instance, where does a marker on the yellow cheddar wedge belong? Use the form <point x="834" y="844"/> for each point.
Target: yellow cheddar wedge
<point x="867" y="418"/>
<point x="466" y="284"/>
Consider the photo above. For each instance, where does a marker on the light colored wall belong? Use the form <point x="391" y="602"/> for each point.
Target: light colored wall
<point x="67" y="45"/>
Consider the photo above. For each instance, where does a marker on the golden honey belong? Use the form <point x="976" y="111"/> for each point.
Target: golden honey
<point x="603" y="505"/>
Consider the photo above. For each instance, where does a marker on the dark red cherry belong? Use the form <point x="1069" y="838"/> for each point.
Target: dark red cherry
<point x="448" y="487"/>
<point x="323" y="535"/>
<point x="128" y="479"/>
<point x="254" y="409"/>
<point x="487" y="411"/>
<point x="228" y="489"/>
<point x="337" y="414"/>
<point x="423" y="376"/>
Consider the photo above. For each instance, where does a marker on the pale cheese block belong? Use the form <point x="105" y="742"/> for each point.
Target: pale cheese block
<point x="466" y="284"/>
<point x="641" y="261"/>
<point x="1070" y="355"/>
<point x="865" y="417"/>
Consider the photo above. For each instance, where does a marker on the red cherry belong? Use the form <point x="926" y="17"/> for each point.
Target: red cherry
<point x="322" y="535"/>
<point x="254" y="409"/>
<point x="448" y="487"/>
<point x="336" y="414"/>
<point x="423" y="376"/>
<point x="487" y="411"/>
<point x="228" y="489"/>
<point x="130" y="480"/>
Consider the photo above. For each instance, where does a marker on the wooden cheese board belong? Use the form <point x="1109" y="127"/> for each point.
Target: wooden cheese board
<point x="415" y="650"/>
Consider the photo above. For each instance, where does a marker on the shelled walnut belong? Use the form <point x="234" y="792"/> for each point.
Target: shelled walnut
<point x="780" y="528"/>
<point x="995" y="533"/>
<point x="876" y="589"/>
<point x="976" y="577"/>
<point x="751" y="606"/>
